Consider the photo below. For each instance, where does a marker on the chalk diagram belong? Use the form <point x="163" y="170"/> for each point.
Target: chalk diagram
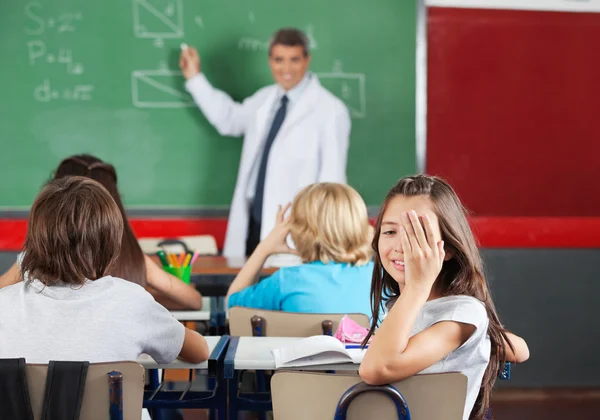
<point x="158" y="19"/>
<point x="160" y="88"/>
<point x="349" y="87"/>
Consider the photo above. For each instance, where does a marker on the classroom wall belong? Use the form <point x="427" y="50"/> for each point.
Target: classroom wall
<point x="512" y="106"/>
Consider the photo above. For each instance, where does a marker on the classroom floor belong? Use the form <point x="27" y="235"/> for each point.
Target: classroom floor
<point x="518" y="405"/>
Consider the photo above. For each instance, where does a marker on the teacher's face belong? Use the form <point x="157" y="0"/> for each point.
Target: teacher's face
<point x="288" y="65"/>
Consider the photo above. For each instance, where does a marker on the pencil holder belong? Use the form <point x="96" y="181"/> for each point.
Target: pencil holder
<point x="183" y="273"/>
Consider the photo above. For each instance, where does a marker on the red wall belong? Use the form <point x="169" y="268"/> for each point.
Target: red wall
<point x="491" y="232"/>
<point x="514" y="109"/>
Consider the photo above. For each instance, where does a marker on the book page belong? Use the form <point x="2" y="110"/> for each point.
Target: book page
<point x="319" y="349"/>
<point x="356" y="354"/>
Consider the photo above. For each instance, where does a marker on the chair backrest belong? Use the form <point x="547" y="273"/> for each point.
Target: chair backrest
<point x="95" y="404"/>
<point x="306" y="395"/>
<point x="203" y="244"/>
<point x="285" y="324"/>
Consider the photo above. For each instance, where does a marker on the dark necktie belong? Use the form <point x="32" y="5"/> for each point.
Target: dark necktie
<point x="257" y="204"/>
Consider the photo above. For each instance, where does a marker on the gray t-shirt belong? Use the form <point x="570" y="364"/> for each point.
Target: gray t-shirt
<point x="470" y="359"/>
<point x="108" y="319"/>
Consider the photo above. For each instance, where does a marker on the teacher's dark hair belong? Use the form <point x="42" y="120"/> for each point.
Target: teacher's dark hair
<point x="290" y="37"/>
<point x="130" y="264"/>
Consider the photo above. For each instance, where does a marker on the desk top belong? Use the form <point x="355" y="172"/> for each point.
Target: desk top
<point x="201" y="315"/>
<point x="255" y="353"/>
<point x="149" y="363"/>
<point x="217" y="266"/>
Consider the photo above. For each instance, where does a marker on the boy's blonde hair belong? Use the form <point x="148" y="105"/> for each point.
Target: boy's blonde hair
<point x="329" y="223"/>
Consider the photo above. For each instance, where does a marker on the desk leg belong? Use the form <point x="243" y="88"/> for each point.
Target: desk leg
<point x="154" y="383"/>
<point x="232" y="387"/>
<point x="261" y="384"/>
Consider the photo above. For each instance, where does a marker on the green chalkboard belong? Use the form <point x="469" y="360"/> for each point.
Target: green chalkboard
<point x="102" y="77"/>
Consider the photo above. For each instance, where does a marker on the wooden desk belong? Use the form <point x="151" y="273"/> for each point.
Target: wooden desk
<point x="201" y="315"/>
<point x="212" y="275"/>
<point x="219" y="266"/>
<point x="254" y="353"/>
<point x="216" y="347"/>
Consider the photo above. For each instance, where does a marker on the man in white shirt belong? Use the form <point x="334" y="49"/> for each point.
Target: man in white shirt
<point x="295" y="133"/>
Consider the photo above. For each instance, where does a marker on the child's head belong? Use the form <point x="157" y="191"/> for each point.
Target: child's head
<point x="462" y="269"/>
<point x="130" y="263"/>
<point x="91" y="167"/>
<point x="329" y="223"/>
<point x="74" y="232"/>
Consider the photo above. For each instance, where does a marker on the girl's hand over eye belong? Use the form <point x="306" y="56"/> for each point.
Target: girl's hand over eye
<point x="423" y="255"/>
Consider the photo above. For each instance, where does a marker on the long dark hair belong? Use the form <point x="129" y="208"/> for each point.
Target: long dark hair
<point x="130" y="264"/>
<point x="461" y="275"/>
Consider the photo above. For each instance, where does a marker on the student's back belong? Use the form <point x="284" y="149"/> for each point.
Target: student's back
<point x="313" y="287"/>
<point x="68" y="307"/>
<point x="94" y="322"/>
<point x="330" y="228"/>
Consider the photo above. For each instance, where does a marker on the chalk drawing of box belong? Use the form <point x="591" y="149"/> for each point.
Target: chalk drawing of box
<point x="158" y="18"/>
<point x="350" y="88"/>
<point x="159" y="89"/>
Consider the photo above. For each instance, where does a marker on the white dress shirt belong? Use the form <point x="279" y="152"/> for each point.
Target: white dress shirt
<point x="293" y="95"/>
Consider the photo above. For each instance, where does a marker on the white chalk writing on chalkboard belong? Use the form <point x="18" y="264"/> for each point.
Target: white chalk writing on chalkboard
<point x="159" y="89"/>
<point x="37" y="51"/>
<point x="64" y="22"/>
<point x="349" y="87"/>
<point x="45" y="92"/>
<point x="249" y="43"/>
<point x="158" y="19"/>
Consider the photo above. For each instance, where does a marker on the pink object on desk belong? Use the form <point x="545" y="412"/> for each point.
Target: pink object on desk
<point x="350" y="332"/>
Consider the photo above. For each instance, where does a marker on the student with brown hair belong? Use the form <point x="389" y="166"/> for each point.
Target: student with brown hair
<point x="69" y="307"/>
<point x="441" y="317"/>
<point x="329" y="226"/>
<point x="131" y="264"/>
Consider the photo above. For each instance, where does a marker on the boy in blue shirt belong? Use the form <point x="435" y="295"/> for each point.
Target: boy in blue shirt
<point x="330" y="228"/>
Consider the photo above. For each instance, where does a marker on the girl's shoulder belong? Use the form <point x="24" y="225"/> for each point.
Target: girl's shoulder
<point x="460" y="308"/>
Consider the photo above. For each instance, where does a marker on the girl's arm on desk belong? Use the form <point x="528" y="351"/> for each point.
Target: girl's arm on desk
<point x="272" y="244"/>
<point x="12" y="276"/>
<point x="169" y="290"/>
<point x="194" y="349"/>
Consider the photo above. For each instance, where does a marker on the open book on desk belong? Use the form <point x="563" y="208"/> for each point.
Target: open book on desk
<point x="317" y="350"/>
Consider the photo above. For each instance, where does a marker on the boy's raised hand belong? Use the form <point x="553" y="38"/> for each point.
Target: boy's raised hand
<point x="275" y="242"/>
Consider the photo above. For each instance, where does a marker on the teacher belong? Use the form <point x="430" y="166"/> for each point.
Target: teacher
<point x="295" y="133"/>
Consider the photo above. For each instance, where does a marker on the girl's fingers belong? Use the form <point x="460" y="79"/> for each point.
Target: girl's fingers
<point x="441" y="251"/>
<point x="410" y="232"/>
<point x="406" y="245"/>
<point x="418" y="229"/>
<point x="428" y="225"/>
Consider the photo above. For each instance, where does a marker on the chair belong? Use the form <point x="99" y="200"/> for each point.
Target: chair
<point x="258" y="322"/>
<point x="306" y="395"/>
<point x="203" y="244"/>
<point x="96" y="402"/>
<point x="285" y="324"/>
